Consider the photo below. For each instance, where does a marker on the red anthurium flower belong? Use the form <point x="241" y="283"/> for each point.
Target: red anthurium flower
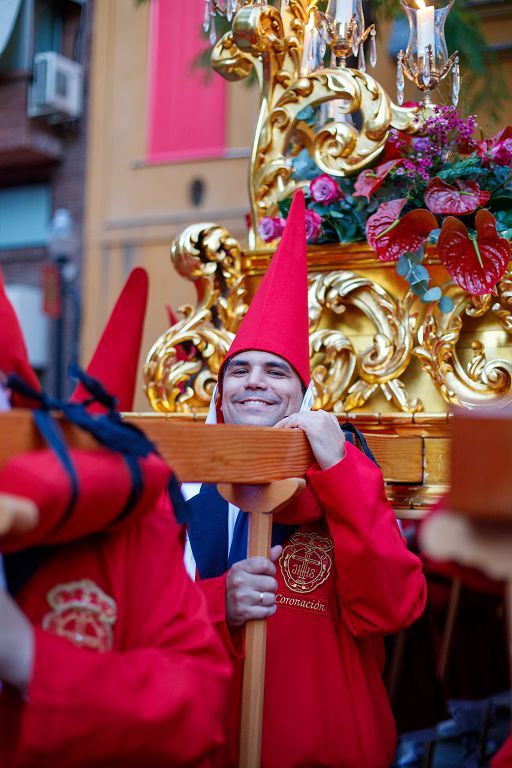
<point x="497" y="149"/>
<point x="391" y="236"/>
<point x="370" y="180"/>
<point x="478" y="262"/>
<point x="459" y="199"/>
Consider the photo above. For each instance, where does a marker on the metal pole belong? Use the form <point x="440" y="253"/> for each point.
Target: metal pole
<point x="59" y="331"/>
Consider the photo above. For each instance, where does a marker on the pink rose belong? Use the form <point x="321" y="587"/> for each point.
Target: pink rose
<point x="271" y="227"/>
<point x="324" y="190"/>
<point x="313" y="225"/>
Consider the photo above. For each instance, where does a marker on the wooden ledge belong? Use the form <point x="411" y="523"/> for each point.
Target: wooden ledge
<point x="227" y="453"/>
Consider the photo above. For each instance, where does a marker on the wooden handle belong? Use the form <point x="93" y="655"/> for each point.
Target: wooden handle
<point x="260" y="501"/>
<point x="17" y="515"/>
<point x="253" y="689"/>
<point x="267" y="499"/>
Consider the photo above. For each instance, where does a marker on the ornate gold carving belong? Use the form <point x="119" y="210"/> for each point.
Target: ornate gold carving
<point x="338" y="149"/>
<point x="271" y="41"/>
<point x="182" y="366"/>
<point x="380" y="365"/>
<point x="481" y="382"/>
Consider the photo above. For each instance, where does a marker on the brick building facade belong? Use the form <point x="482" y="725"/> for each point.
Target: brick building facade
<point x="42" y="168"/>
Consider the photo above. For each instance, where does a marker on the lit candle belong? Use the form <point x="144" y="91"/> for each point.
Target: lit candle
<point x="343" y="12"/>
<point x="426" y="34"/>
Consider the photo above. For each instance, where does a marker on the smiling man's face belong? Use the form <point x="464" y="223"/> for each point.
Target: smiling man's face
<point x="259" y="389"/>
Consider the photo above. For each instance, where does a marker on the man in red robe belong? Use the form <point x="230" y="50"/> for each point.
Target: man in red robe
<point x="339" y="576"/>
<point x="107" y="655"/>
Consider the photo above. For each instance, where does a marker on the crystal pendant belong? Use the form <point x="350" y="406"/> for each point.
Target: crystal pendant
<point x="313" y="51"/>
<point x="361" y="61"/>
<point x="323" y="41"/>
<point x="230" y="10"/>
<point x="355" y="44"/>
<point x="373" y="48"/>
<point x="400" y="83"/>
<point x="425" y="74"/>
<point x="455" y="82"/>
<point x="207" y="15"/>
<point x="213" y="31"/>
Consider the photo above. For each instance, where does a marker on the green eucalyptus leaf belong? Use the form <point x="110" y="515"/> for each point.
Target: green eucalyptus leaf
<point x="433" y="294"/>
<point x="446" y="304"/>
<point x="419" y="289"/>
<point x="403" y="266"/>
<point x="417" y="257"/>
<point x="418" y="274"/>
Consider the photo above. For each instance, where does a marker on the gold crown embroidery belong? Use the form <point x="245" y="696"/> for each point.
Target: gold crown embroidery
<point x="306" y="562"/>
<point x="83" y="614"/>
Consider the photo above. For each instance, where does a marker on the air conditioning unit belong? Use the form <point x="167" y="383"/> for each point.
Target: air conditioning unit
<point x="57" y="88"/>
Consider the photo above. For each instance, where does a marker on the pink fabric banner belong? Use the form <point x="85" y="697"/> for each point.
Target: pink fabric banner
<point x="187" y="108"/>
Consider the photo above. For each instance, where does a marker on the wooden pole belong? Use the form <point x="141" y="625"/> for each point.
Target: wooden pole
<point x="253" y="689"/>
<point x="260" y="501"/>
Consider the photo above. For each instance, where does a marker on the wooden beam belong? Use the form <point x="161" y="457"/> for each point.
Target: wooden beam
<point x="223" y="453"/>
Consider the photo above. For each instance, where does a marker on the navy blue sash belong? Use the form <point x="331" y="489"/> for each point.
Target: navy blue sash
<point x="208" y="533"/>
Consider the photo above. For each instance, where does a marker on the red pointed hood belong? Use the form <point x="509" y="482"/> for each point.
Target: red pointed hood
<point x="115" y="361"/>
<point x="13" y="351"/>
<point x="277" y="319"/>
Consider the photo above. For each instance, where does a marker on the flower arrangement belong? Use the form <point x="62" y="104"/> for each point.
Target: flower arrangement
<point x="445" y="188"/>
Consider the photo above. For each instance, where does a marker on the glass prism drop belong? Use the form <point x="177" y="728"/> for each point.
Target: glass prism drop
<point x="455" y="83"/>
<point x="207" y="14"/>
<point x="373" y="49"/>
<point x="361" y="61"/>
<point x="400" y="83"/>
<point x="213" y="31"/>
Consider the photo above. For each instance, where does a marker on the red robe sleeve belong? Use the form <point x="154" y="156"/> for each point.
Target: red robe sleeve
<point x="380" y="583"/>
<point x="214" y="590"/>
<point x="159" y="702"/>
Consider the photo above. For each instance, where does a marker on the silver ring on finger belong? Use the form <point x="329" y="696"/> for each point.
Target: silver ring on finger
<point x="260" y="599"/>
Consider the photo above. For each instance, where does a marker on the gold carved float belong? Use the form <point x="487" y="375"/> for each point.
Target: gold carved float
<point x="378" y="355"/>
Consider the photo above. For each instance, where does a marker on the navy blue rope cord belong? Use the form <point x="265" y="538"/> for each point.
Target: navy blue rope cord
<point x="108" y="429"/>
<point x="351" y="433"/>
<point x="52" y="433"/>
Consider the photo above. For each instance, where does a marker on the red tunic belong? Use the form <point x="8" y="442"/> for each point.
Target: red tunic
<point x="345" y="579"/>
<point x="146" y="685"/>
<point x="503" y="758"/>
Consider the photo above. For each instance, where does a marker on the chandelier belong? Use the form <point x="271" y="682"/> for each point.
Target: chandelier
<point x="341" y="27"/>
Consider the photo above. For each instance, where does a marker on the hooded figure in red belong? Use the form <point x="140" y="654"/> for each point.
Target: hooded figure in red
<point x="339" y="576"/>
<point x="105" y="643"/>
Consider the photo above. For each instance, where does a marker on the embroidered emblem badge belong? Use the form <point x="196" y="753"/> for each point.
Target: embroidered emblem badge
<point x="305" y="562"/>
<point x="83" y="614"/>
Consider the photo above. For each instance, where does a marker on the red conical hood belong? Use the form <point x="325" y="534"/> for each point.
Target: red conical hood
<point x="13" y="352"/>
<point x="117" y="355"/>
<point x="277" y="319"/>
